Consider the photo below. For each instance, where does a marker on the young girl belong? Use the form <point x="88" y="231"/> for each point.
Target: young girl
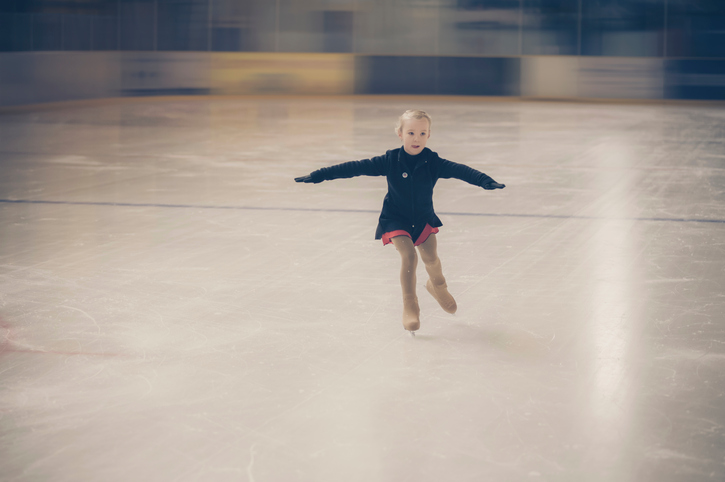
<point x="408" y="219"/>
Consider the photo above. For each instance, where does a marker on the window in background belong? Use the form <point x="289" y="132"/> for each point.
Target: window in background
<point x="47" y="31"/>
<point x="405" y="27"/>
<point x="105" y="32"/>
<point x="242" y="26"/>
<point x="59" y="24"/>
<point x="623" y="28"/>
<point x="138" y="25"/>
<point x="77" y="33"/>
<point x="183" y="25"/>
<point x="16" y="32"/>
<point x="315" y="26"/>
<point x="300" y="27"/>
<point x="696" y="28"/>
<point x="480" y="27"/>
<point x="551" y="27"/>
<point x="337" y="26"/>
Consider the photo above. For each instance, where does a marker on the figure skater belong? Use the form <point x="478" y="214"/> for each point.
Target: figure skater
<point x="408" y="219"/>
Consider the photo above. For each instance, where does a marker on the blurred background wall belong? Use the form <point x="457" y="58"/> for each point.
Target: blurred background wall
<point x="626" y="49"/>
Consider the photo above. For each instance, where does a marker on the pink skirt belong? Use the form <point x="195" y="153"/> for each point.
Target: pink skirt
<point x="427" y="231"/>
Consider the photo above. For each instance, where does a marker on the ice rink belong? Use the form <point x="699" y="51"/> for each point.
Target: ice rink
<point x="174" y="307"/>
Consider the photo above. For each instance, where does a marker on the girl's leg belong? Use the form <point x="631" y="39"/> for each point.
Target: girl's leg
<point x="409" y="263"/>
<point x="436" y="284"/>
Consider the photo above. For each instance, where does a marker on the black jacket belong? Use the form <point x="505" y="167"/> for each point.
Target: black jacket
<point x="408" y="205"/>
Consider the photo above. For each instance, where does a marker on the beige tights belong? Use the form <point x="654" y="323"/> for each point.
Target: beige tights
<point x="436" y="284"/>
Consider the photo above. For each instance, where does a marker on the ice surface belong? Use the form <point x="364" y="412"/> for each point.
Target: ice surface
<point x="173" y="307"/>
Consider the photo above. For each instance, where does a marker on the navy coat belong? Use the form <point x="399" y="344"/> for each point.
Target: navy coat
<point x="408" y="205"/>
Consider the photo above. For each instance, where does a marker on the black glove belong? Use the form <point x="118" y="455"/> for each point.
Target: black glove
<point x="312" y="177"/>
<point x="490" y="185"/>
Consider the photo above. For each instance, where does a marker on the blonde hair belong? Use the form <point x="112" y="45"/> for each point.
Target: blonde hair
<point x="410" y="115"/>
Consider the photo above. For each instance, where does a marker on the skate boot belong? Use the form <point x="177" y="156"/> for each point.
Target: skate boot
<point x="442" y="296"/>
<point x="411" y="313"/>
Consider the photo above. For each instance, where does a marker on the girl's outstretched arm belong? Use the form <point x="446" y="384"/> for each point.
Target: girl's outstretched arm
<point x="377" y="166"/>
<point x="309" y="178"/>
<point x="449" y="169"/>
<point x="493" y="185"/>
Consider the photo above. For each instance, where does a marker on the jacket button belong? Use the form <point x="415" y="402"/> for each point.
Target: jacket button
<point x="405" y="174"/>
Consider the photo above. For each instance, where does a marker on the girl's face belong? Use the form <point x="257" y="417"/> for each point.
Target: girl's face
<point x="414" y="134"/>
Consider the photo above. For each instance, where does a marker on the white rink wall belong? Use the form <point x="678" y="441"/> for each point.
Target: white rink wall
<point x="41" y="77"/>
